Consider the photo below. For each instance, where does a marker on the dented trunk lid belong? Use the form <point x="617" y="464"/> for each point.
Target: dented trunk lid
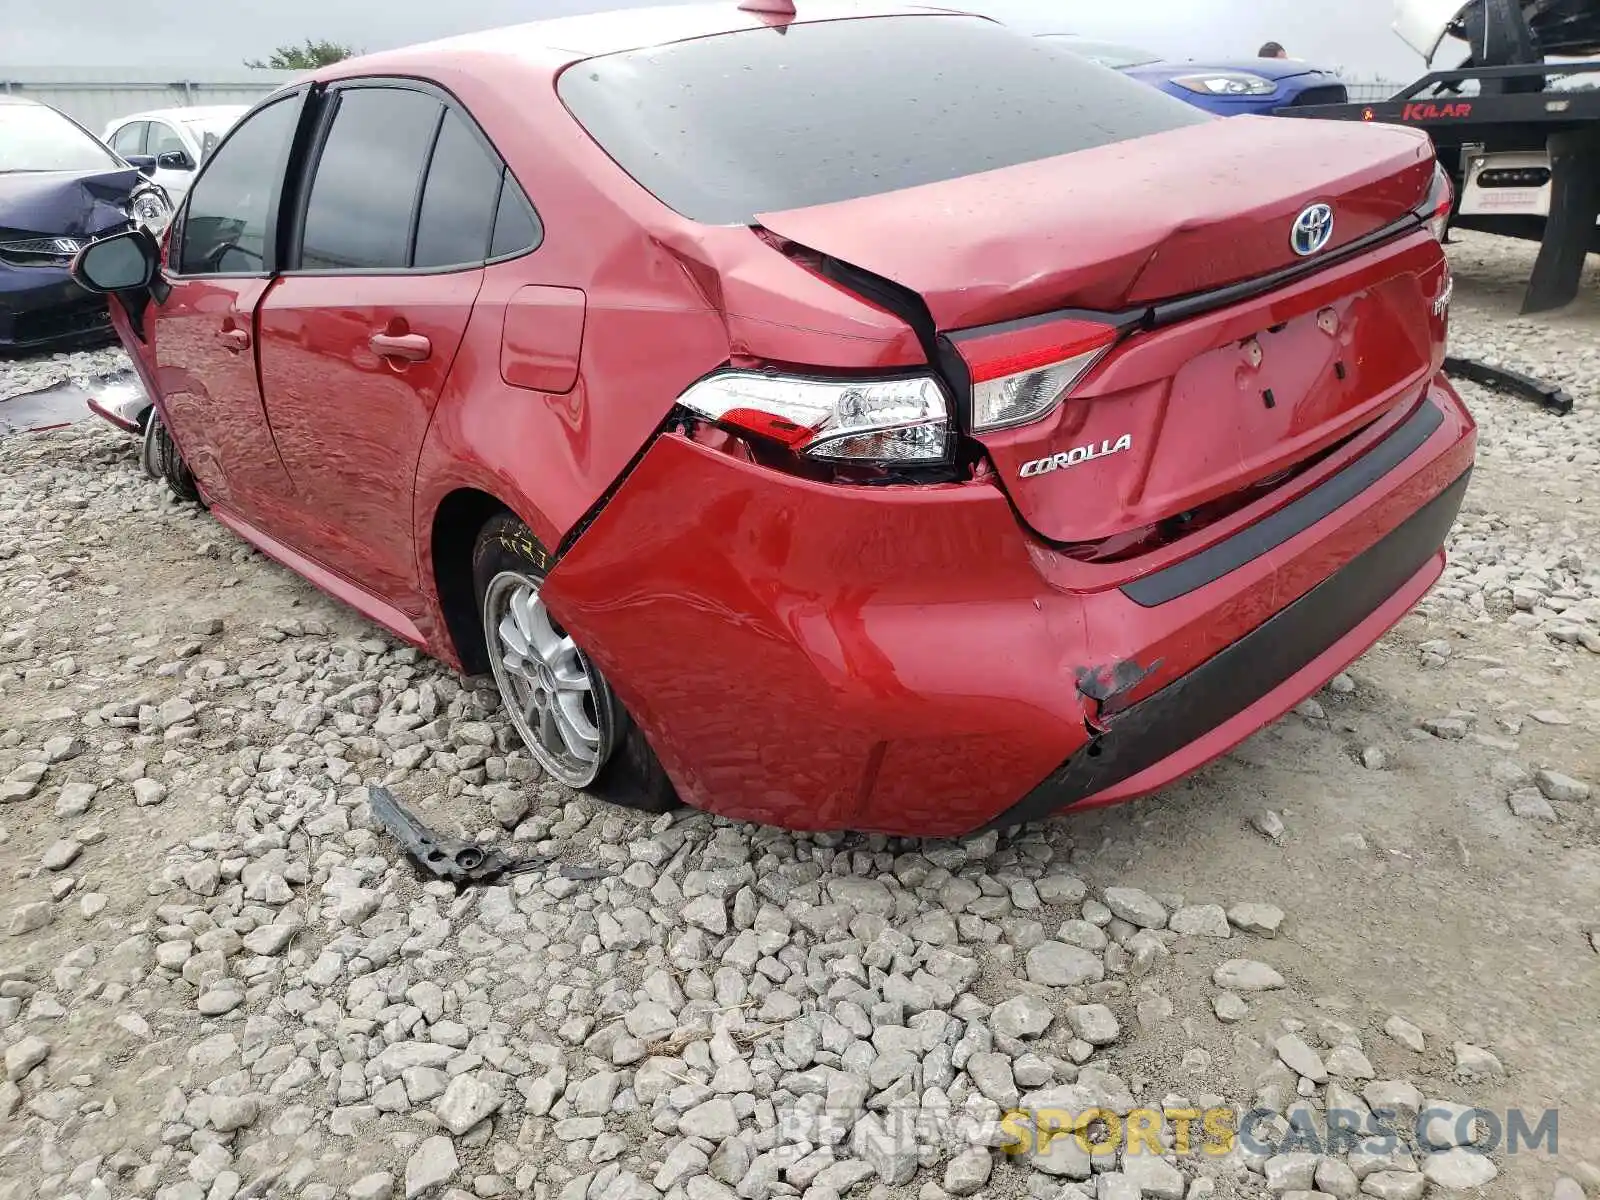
<point x="1177" y="419"/>
<point x="1178" y="426"/>
<point x="1129" y="223"/>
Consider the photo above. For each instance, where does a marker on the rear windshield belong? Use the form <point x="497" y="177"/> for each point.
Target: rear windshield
<point x="722" y="128"/>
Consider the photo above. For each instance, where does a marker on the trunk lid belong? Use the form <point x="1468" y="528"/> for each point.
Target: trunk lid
<point x="1124" y="224"/>
<point x="1178" y="425"/>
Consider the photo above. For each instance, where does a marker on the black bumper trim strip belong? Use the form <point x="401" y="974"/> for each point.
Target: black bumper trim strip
<point x="1228" y="683"/>
<point x="1251" y="543"/>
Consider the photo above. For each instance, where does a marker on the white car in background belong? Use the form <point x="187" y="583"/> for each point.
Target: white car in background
<point x="179" y="139"/>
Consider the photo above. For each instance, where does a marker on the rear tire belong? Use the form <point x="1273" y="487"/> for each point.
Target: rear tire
<point x="556" y="698"/>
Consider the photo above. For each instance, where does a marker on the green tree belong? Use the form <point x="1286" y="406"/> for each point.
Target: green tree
<point x="302" y="58"/>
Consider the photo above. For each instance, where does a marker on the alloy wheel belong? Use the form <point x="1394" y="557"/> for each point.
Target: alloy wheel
<point x="556" y="698"/>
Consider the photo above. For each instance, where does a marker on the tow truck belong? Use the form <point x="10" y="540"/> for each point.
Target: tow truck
<point x="1519" y="133"/>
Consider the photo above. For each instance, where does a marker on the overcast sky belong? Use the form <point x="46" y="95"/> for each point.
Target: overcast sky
<point x="198" y="34"/>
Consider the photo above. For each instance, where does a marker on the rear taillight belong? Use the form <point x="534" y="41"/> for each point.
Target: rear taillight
<point x="1020" y="374"/>
<point x="885" y="422"/>
<point x="1441" y="200"/>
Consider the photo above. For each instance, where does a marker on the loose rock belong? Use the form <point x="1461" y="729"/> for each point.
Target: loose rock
<point x="1404" y="1032"/>
<point x="1263" y="920"/>
<point x="433" y="1163"/>
<point x="1563" y="789"/>
<point x="1059" y="965"/>
<point x="1246" y="975"/>
<point x="1094" y="1023"/>
<point x="23" y="1056"/>
<point x="1459" y="1168"/>
<point x="1201" y="920"/>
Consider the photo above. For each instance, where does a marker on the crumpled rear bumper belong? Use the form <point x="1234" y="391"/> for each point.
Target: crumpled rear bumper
<point x="909" y="660"/>
<point x="1226" y="698"/>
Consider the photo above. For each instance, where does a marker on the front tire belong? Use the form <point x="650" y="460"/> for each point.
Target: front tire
<point x="161" y="451"/>
<point x="557" y="699"/>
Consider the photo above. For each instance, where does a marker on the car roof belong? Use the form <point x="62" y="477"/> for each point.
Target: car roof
<point x="549" y="45"/>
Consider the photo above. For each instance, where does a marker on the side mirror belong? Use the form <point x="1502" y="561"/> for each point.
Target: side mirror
<point x="123" y="262"/>
<point x="145" y="162"/>
<point x="175" y="160"/>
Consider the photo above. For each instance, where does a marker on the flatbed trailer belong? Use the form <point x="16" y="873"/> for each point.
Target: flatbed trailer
<point x="1551" y="133"/>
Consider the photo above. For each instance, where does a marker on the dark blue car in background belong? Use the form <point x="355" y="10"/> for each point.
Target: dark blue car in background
<point x="1253" y="85"/>
<point x="60" y="189"/>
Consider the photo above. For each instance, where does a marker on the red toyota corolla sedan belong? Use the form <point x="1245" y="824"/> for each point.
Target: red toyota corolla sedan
<point x="870" y="418"/>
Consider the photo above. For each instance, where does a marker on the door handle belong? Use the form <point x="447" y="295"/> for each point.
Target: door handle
<point x="234" y="339"/>
<point x="412" y="347"/>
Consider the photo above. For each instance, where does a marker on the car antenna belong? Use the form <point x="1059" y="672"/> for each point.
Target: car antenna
<point x="778" y="8"/>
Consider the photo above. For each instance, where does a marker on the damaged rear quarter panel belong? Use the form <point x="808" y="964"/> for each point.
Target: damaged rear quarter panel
<point x="777" y="310"/>
<point x="646" y="334"/>
<point x="657" y="290"/>
<point x="665" y="301"/>
<point x="550" y="456"/>
<point x="826" y="657"/>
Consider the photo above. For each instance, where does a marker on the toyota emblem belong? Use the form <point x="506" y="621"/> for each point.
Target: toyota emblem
<point x="1312" y="230"/>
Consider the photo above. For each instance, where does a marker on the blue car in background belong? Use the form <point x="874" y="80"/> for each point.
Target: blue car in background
<point x="1261" y="86"/>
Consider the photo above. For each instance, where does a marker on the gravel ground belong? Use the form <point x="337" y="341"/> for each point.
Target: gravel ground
<point x="217" y="981"/>
<point x="22" y="375"/>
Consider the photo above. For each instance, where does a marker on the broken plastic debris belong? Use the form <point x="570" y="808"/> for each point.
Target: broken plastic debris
<point x="1503" y="379"/>
<point x="458" y="860"/>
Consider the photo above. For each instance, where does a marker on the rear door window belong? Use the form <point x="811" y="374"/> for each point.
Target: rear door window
<point x="458" y="202"/>
<point x="364" y="192"/>
<point x="722" y="128"/>
<point x="516" y="225"/>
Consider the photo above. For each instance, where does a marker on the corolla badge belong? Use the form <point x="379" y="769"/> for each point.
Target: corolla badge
<point x="1312" y="230"/>
<point x="1078" y="454"/>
